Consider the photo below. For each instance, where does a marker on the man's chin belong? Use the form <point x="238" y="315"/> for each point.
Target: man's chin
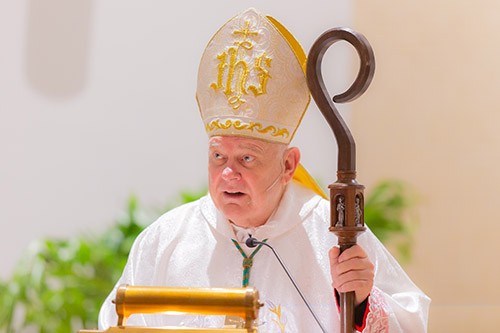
<point x="234" y="212"/>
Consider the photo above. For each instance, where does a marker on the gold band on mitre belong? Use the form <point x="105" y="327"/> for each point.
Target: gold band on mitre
<point x="251" y="80"/>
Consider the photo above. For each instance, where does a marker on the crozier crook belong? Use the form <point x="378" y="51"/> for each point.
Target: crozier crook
<point x="346" y="195"/>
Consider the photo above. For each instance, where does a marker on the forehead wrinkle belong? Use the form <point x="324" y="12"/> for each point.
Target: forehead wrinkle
<point x="251" y="147"/>
<point x="254" y="145"/>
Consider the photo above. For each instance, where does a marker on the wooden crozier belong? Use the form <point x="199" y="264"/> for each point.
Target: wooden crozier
<point x="346" y="195"/>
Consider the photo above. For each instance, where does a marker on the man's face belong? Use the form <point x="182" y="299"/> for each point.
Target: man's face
<point x="245" y="178"/>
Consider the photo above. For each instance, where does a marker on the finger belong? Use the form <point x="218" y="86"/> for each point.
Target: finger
<point x="333" y="254"/>
<point x="354" y="251"/>
<point x="352" y="276"/>
<point x="355" y="285"/>
<point x="354" y="264"/>
<point x="361" y="289"/>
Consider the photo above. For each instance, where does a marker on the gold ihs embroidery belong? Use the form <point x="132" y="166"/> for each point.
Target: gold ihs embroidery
<point x="263" y="75"/>
<point x="236" y="70"/>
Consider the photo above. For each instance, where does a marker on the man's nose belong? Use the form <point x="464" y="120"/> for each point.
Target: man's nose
<point x="230" y="173"/>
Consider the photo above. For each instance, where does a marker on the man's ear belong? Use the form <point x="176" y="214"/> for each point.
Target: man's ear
<point x="291" y="160"/>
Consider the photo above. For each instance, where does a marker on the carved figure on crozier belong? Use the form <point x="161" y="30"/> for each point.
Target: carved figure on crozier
<point x="340" y="211"/>
<point x="358" y="212"/>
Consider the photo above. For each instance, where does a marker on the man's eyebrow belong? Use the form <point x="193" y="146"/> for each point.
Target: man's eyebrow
<point x="214" y="144"/>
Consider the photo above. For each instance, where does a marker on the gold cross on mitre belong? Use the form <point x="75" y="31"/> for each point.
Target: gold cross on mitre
<point x="246" y="31"/>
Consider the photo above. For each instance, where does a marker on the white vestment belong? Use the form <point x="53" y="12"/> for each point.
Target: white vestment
<point x="191" y="246"/>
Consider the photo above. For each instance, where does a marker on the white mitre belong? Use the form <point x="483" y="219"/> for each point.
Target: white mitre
<point x="251" y="80"/>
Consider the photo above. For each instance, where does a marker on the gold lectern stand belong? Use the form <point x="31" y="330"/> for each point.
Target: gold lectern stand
<point x="237" y="302"/>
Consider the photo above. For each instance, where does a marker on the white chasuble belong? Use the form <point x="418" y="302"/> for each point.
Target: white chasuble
<point x="191" y="246"/>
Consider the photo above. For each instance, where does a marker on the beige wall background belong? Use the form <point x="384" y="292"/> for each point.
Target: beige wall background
<point x="431" y="118"/>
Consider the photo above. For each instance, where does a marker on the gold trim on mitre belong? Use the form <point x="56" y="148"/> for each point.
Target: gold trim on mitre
<point x="251" y="80"/>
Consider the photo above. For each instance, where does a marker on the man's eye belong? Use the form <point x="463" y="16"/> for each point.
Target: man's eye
<point x="247" y="158"/>
<point x="217" y="156"/>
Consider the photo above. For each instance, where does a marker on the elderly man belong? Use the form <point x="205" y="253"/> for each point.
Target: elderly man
<point x="252" y="95"/>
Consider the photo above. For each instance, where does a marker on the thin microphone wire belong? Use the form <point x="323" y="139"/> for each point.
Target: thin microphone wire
<point x="277" y="178"/>
<point x="251" y="242"/>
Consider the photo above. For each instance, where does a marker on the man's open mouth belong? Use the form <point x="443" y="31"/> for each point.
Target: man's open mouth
<point x="234" y="194"/>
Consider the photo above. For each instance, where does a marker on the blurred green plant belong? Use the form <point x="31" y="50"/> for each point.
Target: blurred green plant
<point x="390" y="214"/>
<point x="59" y="285"/>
